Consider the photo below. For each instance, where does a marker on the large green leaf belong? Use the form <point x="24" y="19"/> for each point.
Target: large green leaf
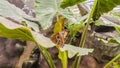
<point x="67" y="3"/>
<point x="10" y="29"/>
<point x="104" y="6"/>
<point x="11" y="11"/>
<point x="73" y="50"/>
<point x="46" y="10"/>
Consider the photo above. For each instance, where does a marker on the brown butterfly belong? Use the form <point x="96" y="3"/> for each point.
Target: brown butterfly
<point x="59" y="38"/>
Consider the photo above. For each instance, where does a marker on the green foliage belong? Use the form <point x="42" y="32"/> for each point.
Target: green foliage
<point x="117" y="29"/>
<point x="67" y="3"/>
<point x="114" y="40"/>
<point x="9" y="29"/>
<point x="104" y="6"/>
<point x="99" y="7"/>
<point x="116" y="65"/>
<point x="70" y="51"/>
<point x="113" y="62"/>
<point x="74" y="28"/>
<point x="46" y="10"/>
<point x="11" y="11"/>
<point x="73" y="50"/>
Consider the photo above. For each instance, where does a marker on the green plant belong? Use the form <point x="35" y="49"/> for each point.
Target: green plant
<point x="95" y="13"/>
<point x="115" y="64"/>
<point x="45" y="12"/>
<point x="13" y="30"/>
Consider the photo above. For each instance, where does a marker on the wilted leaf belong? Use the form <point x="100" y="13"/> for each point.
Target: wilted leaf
<point x="67" y="3"/>
<point x="10" y="29"/>
<point x="73" y="50"/>
<point x="104" y="6"/>
<point x="46" y="10"/>
<point x="11" y="11"/>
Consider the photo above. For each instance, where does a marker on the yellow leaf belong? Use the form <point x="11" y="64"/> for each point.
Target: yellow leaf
<point x="59" y="25"/>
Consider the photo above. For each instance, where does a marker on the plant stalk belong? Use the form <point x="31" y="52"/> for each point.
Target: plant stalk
<point x="108" y="64"/>
<point x="83" y="38"/>
<point x="47" y="56"/>
<point x="63" y="58"/>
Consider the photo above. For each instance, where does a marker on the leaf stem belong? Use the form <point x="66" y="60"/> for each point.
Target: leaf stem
<point x="63" y="57"/>
<point x="47" y="56"/>
<point x="83" y="38"/>
<point x="108" y="64"/>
